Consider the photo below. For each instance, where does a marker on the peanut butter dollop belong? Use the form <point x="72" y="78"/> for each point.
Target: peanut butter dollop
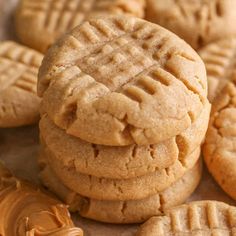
<point x="27" y="211"/>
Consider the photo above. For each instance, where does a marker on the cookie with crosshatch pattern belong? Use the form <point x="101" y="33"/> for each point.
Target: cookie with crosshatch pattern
<point x="220" y="146"/>
<point x="122" y="80"/>
<point x="201" y="218"/>
<point x="220" y="61"/>
<point x="132" y="211"/>
<point x="198" y="22"/>
<point x="19" y="103"/>
<point x="40" y="23"/>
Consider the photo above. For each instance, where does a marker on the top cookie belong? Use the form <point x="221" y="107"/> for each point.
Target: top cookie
<point x="19" y="103"/>
<point x="196" y="218"/>
<point x="197" y="21"/>
<point x="220" y="61"/>
<point x="122" y="80"/>
<point x="220" y="146"/>
<point x="40" y="23"/>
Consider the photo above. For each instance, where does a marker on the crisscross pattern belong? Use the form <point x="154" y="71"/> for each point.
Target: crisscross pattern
<point x="18" y="78"/>
<point x="206" y="18"/>
<point x="220" y="60"/>
<point x="130" y="80"/>
<point x="197" y="218"/>
<point x="52" y="18"/>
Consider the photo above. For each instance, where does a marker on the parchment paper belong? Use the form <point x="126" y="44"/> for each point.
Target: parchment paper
<point x="19" y="149"/>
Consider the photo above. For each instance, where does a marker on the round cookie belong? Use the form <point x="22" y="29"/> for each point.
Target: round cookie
<point x="133" y="211"/>
<point x="26" y="210"/>
<point x="129" y="161"/>
<point x="121" y="189"/>
<point x="220" y="61"/>
<point x="40" y="23"/>
<point x="195" y="218"/>
<point x="198" y="22"/>
<point x="122" y="80"/>
<point x="220" y="146"/>
<point x="19" y="103"/>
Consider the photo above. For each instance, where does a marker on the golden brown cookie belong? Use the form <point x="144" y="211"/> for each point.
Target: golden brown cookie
<point x="122" y="80"/>
<point x="121" y="162"/>
<point x="19" y="103"/>
<point x="40" y="23"/>
<point x="198" y="22"/>
<point x="220" y="61"/>
<point x="202" y="218"/>
<point x="220" y="146"/>
<point x="132" y="211"/>
<point x="121" y="189"/>
<point x="25" y="210"/>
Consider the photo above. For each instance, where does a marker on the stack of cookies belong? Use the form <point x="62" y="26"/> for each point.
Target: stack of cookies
<point x="124" y="111"/>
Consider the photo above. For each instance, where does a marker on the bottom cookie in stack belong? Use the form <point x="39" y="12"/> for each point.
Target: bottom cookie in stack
<point x="131" y="211"/>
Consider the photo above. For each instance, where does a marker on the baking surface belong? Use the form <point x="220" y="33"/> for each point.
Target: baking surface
<point x="19" y="149"/>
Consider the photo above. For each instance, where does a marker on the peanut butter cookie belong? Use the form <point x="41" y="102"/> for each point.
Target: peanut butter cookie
<point x="220" y="61"/>
<point x="195" y="218"/>
<point x="40" y="23"/>
<point x="19" y="103"/>
<point x="197" y="21"/>
<point x="122" y="80"/>
<point x="220" y="146"/>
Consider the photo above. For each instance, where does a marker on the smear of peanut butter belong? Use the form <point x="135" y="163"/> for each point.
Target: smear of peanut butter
<point x="27" y="211"/>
